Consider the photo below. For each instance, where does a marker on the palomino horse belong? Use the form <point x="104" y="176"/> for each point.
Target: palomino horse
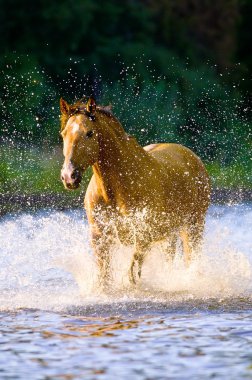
<point x="167" y="183"/>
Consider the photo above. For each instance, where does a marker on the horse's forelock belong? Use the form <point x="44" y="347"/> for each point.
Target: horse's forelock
<point x="79" y="107"/>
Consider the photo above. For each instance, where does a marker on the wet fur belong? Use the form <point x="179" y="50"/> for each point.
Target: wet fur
<point x="167" y="180"/>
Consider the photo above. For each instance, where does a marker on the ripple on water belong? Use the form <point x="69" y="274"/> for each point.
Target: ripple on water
<point x="56" y="323"/>
<point x="168" y="345"/>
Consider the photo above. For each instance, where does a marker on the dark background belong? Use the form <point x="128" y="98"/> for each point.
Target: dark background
<point x="174" y="70"/>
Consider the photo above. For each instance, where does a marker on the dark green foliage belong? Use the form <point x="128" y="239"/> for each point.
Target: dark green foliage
<point x="186" y="106"/>
<point x="150" y="59"/>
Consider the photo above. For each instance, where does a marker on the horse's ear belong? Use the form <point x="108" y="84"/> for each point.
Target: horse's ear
<point x="107" y="108"/>
<point x="64" y="107"/>
<point x="91" y="105"/>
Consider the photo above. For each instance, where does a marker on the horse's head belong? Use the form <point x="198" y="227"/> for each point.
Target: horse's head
<point x="80" y="139"/>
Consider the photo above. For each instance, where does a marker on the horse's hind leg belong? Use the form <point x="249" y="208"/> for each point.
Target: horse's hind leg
<point x="137" y="261"/>
<point x="187" y="248"/>
<point x="196" y="236"/>
<point x="191" y="240"/>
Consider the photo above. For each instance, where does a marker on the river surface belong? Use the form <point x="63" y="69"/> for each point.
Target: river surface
<point x="178" y="323"/>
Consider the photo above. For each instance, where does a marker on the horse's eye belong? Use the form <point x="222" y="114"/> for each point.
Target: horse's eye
<point x="89" y="134"/>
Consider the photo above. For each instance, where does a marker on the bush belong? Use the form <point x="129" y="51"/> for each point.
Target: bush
<point x="184" y="105"/>
<point x="28" y="101"/>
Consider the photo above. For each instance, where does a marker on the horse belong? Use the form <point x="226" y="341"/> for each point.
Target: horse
<point x="166" y="182"/>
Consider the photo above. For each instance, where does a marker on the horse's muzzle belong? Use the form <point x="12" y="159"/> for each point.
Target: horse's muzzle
<point x="71" y="180"/>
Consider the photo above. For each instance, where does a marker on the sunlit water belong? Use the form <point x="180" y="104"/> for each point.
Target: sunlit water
<point x="177" y="323"/>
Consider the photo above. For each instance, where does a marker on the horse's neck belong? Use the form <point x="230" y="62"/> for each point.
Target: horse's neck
<point x="121" y="162"/>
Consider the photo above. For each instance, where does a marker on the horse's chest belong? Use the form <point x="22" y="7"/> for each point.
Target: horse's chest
<point x="125" y="232"/>
<point x="141" y="226"/>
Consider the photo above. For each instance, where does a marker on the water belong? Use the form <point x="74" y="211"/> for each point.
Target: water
<point x="57" y="324"/>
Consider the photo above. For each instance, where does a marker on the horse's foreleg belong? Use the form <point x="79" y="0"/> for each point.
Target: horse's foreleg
<point x="171" y="248"/>
<point x="101" y="247"/>
<point x="103" y="262"/>
<point x="192" y="238"/>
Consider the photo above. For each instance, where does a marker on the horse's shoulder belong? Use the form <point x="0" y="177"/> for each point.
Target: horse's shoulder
<point x="94" y="195"/>
<point x="92" y="188"/>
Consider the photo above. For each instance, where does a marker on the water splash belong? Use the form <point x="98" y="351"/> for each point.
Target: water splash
<point x="47" y="263"/>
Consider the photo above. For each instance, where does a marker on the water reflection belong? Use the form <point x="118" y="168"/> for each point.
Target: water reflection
<point x="178" y="323"/>
<point x="164" y="346"/>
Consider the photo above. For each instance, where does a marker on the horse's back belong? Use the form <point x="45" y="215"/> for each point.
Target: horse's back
<point x="176" y="156"/>
<point x="172" y="153"/>
<point x="184" y="166"/>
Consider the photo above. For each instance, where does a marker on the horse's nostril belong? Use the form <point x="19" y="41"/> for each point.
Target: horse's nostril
<point x="62" y="178"/>
<point x="75" y="174"/>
